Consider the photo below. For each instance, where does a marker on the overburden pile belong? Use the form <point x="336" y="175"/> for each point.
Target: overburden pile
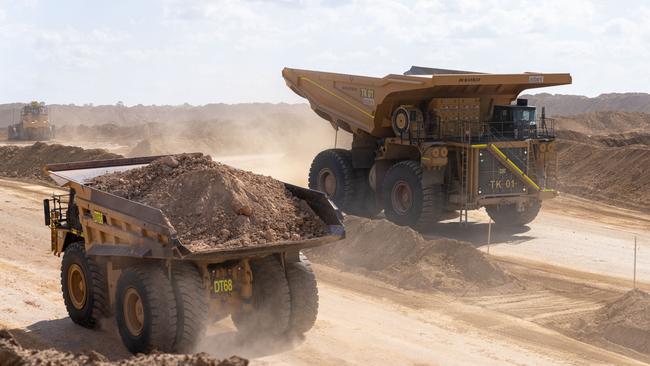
<point x="402" y="257"/>
<point x="28" y="161"/>
<point x="625" y="321"/>
<point x="215" y="206"/>
<point x="12" y="354"/>
<point x="607" y="168"/>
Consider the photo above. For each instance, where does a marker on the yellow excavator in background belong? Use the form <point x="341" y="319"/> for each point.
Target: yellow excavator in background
<point x="34" y="124"/>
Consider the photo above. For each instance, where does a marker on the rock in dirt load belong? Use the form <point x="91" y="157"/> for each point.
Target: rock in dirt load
<point x="215" y="206"/>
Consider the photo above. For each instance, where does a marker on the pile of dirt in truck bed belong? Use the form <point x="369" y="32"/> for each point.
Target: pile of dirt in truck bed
<point x="215" y="206"/>
<point x="28" y="161"/>
<point x="12" y="354"/>
<point x="401" y="256"/>
<point x="625" y="321"/>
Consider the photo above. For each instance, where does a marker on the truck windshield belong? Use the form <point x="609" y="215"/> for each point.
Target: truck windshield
<point x="524" y="115"/>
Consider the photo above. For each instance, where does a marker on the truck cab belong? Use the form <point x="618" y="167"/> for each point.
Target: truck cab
<point x="516" y="122"/>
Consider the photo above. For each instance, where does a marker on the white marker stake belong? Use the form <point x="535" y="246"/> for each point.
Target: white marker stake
<point x="489" y="235"/>
<point x="634" y="280"/>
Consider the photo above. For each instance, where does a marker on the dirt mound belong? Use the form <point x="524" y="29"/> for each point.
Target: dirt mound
<point x="28" y="161"/>
<point x="402" y="257"/>
<point x="610" y="169"/>
<point x="604" y="156"/>
<point x="149" y="147"/>
<point x="625" y="322"/>
<point x="12" y="354"/>
<point x="564" y="105"/>
<point x="606" y="122"/>
<point x="214" y="206"/>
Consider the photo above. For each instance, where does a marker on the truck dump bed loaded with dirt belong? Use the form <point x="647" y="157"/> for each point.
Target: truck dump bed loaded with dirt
<point x="433" y="141"/>
<point x="125" y="258"/>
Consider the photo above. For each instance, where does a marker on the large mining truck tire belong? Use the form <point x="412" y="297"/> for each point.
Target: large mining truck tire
<point x="365" y="204"/>
<point x="271" y="313"/>
<point x="84" y="287"/>
<point x="145" y="309"/>
<point x="191" y="306"/>
<point x="304" y="296"/>
<point x="331" y="172"/>
<point x="507" y="215"/>
<point x="407" y="202"/>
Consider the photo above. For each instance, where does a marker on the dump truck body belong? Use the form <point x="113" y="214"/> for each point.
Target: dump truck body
<point x="34" y="124"/>
<point x="460" y="130"/>
<point x="119" y="235"/>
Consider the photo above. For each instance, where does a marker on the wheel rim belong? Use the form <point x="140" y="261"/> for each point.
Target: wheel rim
<point x="401" y="121"/>
<point x="327" y="182"/>
<point x="133" y="311"/>
<point x="402" y="197"/>
<point x="77" y="286"/>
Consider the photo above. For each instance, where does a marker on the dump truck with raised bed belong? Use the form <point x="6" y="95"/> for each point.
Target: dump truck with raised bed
<point x="34" y="124"/>
<point x="125" y="259"/>
<point x="432" y="142"/>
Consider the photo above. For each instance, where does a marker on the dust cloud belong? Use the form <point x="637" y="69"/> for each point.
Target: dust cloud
<point x="278" y="140"/>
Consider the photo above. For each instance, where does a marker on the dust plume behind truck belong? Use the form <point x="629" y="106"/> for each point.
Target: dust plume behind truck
<point x="433" y="141"/>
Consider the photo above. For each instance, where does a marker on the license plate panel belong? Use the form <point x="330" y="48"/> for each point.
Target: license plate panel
<point x="222" y="286"/>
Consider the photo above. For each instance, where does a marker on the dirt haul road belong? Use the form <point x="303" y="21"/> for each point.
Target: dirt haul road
<point x="360" y="321"/>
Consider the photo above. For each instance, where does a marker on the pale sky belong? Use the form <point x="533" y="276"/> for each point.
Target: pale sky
<point x="177" y="51"/>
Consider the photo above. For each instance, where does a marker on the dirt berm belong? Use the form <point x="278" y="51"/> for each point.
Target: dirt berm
<point x="625" y="321"/>
<point x="402" y="257"/>
<point x="27" y="161"/>
<point x="12" y="354"/>
<point x="608" y="168"/>
<point x="214" y="206"/>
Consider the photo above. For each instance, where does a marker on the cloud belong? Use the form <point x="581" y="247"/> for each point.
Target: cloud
<point x="230" y="51"/>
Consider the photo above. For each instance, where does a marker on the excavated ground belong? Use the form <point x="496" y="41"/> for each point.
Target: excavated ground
<point x="607" y="168"/>
<point x="625" y="322"/>
<point x="13" y="354"/>
<point x="214" y="206"/>
<point x="402" y="257"/>
<point x="28" y="161"/>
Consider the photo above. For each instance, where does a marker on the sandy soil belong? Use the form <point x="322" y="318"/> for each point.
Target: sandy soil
<point x="361" y="321"/>
<point x="570" y="232"/>
<point x="608" y="168"/>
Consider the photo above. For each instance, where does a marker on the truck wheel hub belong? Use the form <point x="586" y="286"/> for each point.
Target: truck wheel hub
<point x="133" y="312"/>
<point x="402" y="197"/>
<point x="327" y="182"/>
<point x="77" y="286"/>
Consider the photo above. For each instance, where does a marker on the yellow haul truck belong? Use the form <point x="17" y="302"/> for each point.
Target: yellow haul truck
<point x="125" y="259"/>
<point x="34" y="124"/>
<point x="431" y="141"/>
